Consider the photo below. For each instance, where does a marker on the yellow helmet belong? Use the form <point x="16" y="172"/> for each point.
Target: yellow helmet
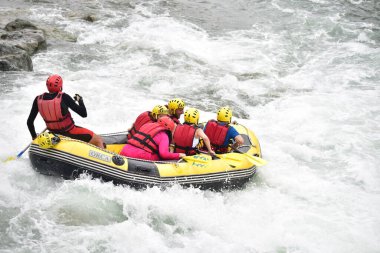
<point x="47" y="140"/>
<point x="224" y="114"/>
<point x="191" y="116"/>
<point x="175" y="104"/>
<point x="159" y="110"/>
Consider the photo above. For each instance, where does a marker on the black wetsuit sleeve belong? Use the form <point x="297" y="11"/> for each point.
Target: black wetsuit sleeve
<point x="32" y="116"/>
<point x="80" y="109"/>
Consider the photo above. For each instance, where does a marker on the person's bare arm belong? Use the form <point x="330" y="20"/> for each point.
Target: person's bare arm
<point x="200" y="134"/>
<point x="238" y="141"/>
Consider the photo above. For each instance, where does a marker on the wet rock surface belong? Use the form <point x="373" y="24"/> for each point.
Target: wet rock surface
<point x="14" y="59"/>
<point x="19" y="24"/>
<point x="18" y="41"/>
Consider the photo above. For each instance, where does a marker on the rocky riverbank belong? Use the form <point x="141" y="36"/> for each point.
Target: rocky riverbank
<point x="18" y="41"/>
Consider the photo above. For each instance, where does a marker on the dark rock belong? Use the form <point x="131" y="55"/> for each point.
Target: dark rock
<point x="3" y="34"/>
<point x="14" y="59"/>
<point x="18" y="42"/>
<point x="19" y="24"/>
<point x="90" y="18"/>
<point x="29" y="40"/>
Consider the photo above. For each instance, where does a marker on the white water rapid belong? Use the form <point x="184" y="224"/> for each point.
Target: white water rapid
<point x="303" y="75"/>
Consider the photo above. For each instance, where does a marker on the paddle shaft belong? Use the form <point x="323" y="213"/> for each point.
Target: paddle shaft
<point x="26" y="148"/>
<point x="23" y="151"/>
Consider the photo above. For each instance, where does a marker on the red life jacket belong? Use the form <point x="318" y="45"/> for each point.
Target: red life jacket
<point x="144" y="137"/>
<point x="217" y="134"/>
<point x="175" y="119"/>
<point x="141" y="120"/>
<point x="51" y="112"/>
<point x="183" y="139"/>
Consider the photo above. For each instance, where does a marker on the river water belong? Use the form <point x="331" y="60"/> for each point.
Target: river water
<point x="303" y="74"/>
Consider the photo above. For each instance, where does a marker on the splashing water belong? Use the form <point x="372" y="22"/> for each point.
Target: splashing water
<point x="302" y="74"/>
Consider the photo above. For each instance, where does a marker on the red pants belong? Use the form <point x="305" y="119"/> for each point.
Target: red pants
<point x="78" y="133"/>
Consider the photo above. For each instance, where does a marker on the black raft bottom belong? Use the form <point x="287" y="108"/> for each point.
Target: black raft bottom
<point x="68" y="171"/>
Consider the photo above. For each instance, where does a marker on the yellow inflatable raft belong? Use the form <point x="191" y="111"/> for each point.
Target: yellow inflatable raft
<point x="69" y="158"/>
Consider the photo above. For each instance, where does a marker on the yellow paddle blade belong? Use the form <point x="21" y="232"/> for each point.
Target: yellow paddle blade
<point x="256" y="160"/>
<point x="238" y="156"/>
<point x="259" y="160"/>
<point x="10" y="158"/>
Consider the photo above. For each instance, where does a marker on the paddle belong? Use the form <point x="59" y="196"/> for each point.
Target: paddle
<point x="254" y="159"/>
<point x="197" y="159"/>
<point x="232" y="159"/>
<point x="10" y="158"/>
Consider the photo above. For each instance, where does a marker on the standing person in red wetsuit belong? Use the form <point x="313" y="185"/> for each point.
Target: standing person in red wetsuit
<point x="186" y="136"/>
<point x="176" y="107"/>
<point x="54" y="109"/>
<point x="152" y="141"/>
<point x="147" y="117"/>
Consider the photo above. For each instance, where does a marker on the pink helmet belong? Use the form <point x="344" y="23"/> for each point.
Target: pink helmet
<point x="54" y="83"/>
<point x="167" y="122"/>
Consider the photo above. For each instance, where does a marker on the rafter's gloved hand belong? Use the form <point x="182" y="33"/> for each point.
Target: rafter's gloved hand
<point x="77" y="97"/>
